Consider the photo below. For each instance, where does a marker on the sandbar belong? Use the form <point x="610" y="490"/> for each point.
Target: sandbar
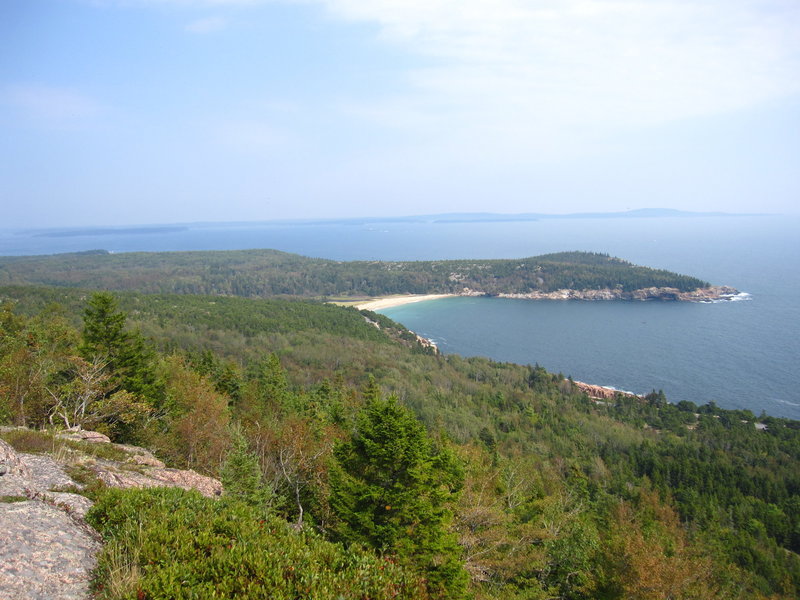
<point x="390" y="301"/>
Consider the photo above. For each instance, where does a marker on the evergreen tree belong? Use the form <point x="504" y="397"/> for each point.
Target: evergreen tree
<point x="103" y="328"/>
<point x="272" y="387"/>
<point x="127" y="355"/>
<point x="241" y="473"/>
<point x="392" y="491"/>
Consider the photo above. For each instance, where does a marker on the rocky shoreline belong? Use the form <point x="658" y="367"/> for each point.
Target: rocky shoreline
<point x="709" y="294"/>
<point x="712" y="293"/>
<point x="601" y="392"/>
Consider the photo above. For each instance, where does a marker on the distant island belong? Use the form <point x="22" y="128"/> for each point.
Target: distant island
<point x="641" y="213"/>
<point x="435" y="219"/>
<point x="92" y="231"/>
<point x="271" y="273"/>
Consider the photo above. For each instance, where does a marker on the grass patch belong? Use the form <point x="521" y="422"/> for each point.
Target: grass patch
<point x="104" y="451"/>
<point x="10" y="499"/>
<point x="33" y="441"/>
<point x="30" y="440"/>
<point x="93" y="486"/>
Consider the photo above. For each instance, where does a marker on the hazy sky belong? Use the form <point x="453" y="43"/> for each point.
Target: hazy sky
<point x="154" y="111"/>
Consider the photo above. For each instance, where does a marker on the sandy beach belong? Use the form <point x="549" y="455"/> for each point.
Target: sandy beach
<point x="389" y="301"/>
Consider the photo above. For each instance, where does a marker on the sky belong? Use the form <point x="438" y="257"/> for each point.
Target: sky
<point x="116" y="112"/>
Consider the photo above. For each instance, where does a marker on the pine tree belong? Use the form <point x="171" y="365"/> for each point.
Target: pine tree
<point x="392" y="491"/>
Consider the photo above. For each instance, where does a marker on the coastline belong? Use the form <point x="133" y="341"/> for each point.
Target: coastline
<point x="391" y="301"/>
<point x="714" y="293"/>
<point x="704" y="295"/>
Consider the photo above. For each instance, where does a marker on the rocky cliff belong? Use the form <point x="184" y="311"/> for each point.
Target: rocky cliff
<point x="599" y="392"/>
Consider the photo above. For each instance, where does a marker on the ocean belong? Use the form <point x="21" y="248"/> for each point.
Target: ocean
<point x="741" y="354"/>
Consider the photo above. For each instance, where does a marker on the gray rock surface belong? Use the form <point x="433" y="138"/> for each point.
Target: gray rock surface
<point x="140" y="456"/>
<point x="73" y="504"/>
<point x="10" y="463"/>
<point x="46" y="472"/>
<point x="82" y="435"/>
<point x="45" y="553"/>
<point x="113" y="476"/>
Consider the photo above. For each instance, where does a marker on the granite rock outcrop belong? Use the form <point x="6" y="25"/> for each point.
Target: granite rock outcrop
<point x="708" y="294"/>
<point x="47" y="549"/>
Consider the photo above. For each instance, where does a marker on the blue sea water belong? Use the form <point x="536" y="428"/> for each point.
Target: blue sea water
<point x="739" y="354"/>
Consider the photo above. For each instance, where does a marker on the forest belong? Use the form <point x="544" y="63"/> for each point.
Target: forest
<point x="359" y="464"/>
<point x="270" y="273"/>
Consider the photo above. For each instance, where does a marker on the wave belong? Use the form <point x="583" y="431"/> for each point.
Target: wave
<point x="616" y="389"/>
<point x="740" y="297"/>
<point x="786" y="402"/>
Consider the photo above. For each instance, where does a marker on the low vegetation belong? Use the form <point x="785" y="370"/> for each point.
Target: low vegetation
<point x="415" y="475"/>
<point x="172" y="544"/>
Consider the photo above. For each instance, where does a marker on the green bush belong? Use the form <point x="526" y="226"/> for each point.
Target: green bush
<point x="170" y="543"/>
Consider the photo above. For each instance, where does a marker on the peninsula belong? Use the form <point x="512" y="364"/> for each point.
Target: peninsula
<point x="271" y="273"/>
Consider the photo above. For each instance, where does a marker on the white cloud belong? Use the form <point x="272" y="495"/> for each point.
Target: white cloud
<point x="580" y="61"/>
<point x="542" y="74"/>
<point x="207" y="25"/>
<point x="504" y="84"/>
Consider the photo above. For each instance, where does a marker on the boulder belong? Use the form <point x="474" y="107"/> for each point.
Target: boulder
<point x="113" y="476"/>
<point x="140" y="456"/>
<point x="80" y="435"/>
<point x="10" y="462"/>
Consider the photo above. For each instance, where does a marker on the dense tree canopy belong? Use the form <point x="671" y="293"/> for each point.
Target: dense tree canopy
<point x="508" y="473"/>
<point x="269" y="273"/>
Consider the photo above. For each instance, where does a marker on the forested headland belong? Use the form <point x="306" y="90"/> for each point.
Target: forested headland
<point x="270" y="273"/>
<point x="357" y="463"/>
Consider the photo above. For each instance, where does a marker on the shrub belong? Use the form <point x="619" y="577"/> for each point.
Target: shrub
<point x="170" y="543"/>
<point x="30" y="440"/>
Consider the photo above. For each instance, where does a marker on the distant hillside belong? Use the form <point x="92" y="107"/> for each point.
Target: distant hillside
<point x="269" y="273"/>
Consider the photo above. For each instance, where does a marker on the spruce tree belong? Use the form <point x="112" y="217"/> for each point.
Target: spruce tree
<point x="241" y="473"/>
<point x="128" y="357"/>
<point x="391" y="491"/>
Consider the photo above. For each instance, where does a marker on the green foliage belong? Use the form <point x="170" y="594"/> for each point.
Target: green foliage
<point x="563" y="496"/>
<point x="125" y="353"/>
<point x="241" y="473"/>
<point x="170" y="544"/>
<point x="33" y="351"/>
<point x="392" y="491"/>
<point x="269" y="273"/>
<point x="194" y="429"/>
<point x="103" y="327"/>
